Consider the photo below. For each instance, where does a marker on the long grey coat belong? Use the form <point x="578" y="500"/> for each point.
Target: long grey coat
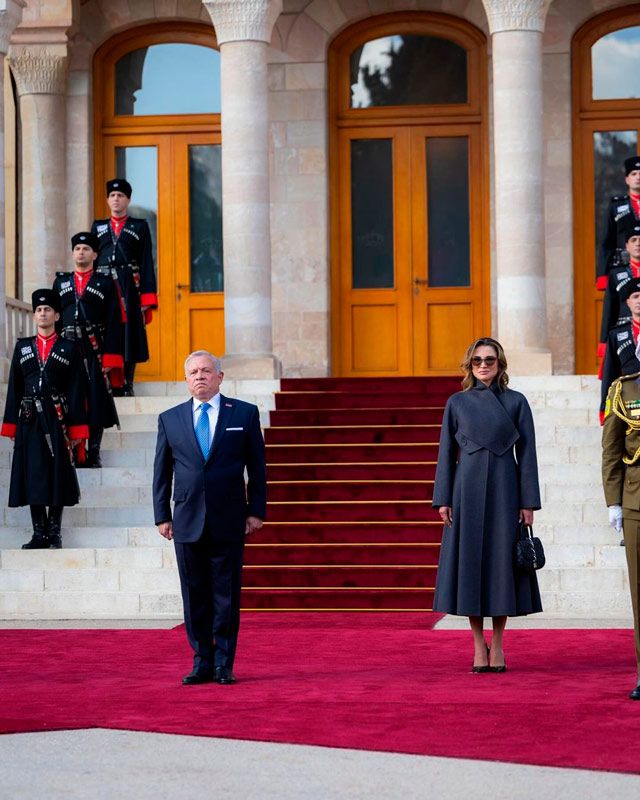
<point x="487" y="471"/>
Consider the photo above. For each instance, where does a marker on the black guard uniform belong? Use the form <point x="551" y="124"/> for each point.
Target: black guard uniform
<point x="620" y="217"/>
<point x="129" y="257"/>
<point x="92" y="319"/>
<point x="620" y="358"/>
<point x="46" y="410"/>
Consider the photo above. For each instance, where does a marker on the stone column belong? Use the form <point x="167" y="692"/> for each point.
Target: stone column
<point x="40" y="72"/>
<point x="243" y="30"/>
<point x="9" y="17"/>
<point x="516" y="28"/>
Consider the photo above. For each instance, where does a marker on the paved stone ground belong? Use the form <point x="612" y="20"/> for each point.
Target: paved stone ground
<point x="106" y="764"/>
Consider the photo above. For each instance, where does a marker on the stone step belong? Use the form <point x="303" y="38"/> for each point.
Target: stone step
<point x="88" y="537"/>
<point x="81" y="516"/>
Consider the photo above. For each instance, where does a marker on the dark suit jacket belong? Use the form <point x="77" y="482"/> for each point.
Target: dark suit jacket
<point x="212" y="492"/>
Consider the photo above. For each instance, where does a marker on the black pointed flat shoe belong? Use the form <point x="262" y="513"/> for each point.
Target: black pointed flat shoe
<point x="635" y="693"/>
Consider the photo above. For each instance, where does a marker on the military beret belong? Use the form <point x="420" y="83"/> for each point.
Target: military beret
<point x="631" y="163"/>
<point x="85" y="237"/>
<point x="630" y="288"/>
<point x="119" y="185"/>
<point x="45" y="297"/>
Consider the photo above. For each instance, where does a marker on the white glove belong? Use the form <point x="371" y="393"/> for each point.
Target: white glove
<point x="615" y="517"/>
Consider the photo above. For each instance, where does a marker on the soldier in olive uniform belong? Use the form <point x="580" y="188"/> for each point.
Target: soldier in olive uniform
<point x="621" y="481"/>
<point x="125" y="253"/>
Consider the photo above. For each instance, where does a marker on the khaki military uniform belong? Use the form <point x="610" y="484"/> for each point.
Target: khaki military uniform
<point x="621" y="475"/>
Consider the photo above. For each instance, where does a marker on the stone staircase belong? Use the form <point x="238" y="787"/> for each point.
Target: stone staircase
<point x="115" y="565"/>
<point x="586" y="573"/>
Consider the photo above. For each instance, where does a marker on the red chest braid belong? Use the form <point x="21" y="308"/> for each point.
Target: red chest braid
<point x="45" y="343"/>
<point x="81" y="279"/>
<point x="117" y="224"/>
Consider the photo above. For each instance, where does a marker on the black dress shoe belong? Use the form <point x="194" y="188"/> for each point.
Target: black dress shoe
<point x="198" y="676"/>
<point x="635" y="694"/>
<point x="224" y="675"/>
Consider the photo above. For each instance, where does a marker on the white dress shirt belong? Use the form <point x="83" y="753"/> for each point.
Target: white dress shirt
<point x="211" y="412"/>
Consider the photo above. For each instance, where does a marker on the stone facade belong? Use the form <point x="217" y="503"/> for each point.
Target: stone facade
<point x="284" y="308"/>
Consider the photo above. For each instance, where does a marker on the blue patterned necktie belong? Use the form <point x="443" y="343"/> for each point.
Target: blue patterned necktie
<point x="202" y="429"/>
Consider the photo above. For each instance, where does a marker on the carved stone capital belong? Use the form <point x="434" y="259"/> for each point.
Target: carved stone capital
<point x="516" y="15"/>
<point x="38" y="70"/>
<point x="243" y="20"/>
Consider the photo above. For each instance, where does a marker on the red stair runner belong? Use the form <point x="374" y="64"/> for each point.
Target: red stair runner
<point x="350" y="465"/>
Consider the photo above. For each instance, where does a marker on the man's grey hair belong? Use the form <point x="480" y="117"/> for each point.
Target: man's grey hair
<point x="217" y="364"/>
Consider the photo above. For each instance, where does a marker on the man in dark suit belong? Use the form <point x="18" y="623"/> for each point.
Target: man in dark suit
<point x="203" y="447"/>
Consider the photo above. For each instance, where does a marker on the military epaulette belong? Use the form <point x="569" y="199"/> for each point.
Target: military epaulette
<point x="633" y="376"/>
<point x="63" y="274"/>
<point x="616" y="198"/>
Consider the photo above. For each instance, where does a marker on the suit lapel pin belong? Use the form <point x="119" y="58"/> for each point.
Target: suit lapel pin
<point x="228" y="405"/>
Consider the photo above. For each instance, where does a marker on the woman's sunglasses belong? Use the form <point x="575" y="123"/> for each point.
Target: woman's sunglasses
<point x="489" y="360"/>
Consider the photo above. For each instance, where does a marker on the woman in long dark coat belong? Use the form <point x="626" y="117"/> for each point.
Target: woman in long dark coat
<point x="486" y="481"/>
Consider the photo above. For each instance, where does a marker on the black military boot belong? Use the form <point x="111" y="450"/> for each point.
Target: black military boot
<point x="93" y="455"/>
<point x="54" y="527"/>
<point x="40" y="538"/>
<point x="129" y="373"/>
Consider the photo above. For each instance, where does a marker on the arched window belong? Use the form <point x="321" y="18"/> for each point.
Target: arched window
<point x="407" y="70"/>
<point x="168" y="78"/>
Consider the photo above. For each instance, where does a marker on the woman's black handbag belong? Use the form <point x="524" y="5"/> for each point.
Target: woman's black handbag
<point x="529" y="553"/>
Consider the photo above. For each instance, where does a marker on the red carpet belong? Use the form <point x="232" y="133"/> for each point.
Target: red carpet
<point x="369" y="681"/>
<point x="351" y="463"/>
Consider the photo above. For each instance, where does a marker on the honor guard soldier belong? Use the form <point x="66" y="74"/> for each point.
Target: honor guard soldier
<point x="46" y="416"/>
<point x="623" y="212"/>
<point x="124" y="252"/>
<point x="621" y="482"/>
<point x="614" y="309"/>
<point x="90" y="315"/>
<point x="622" y="353"/>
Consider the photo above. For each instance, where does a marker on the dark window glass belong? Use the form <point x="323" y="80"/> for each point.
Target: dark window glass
<point x="615" y="65"/>
<point x="139" y="165"/>
<point x="372" y="213"/>
<point x="168" y="79"/>
<point x="408" y="70"/>
<point x="610" y="148"/>
<point x="448" y="210"/>
<point x="205" y="220"/>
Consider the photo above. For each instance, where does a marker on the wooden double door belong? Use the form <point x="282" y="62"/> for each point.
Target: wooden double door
<point x="411" y="276"/>
<point x="178" y="188"/>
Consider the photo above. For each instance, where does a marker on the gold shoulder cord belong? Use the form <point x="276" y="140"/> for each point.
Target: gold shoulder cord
<point x="617" y="407"/>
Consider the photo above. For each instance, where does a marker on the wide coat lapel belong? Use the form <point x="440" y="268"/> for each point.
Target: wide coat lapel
<point x="185" y="412"/>
<point x="224" y="414"/>
<point x="486" y="421"/>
